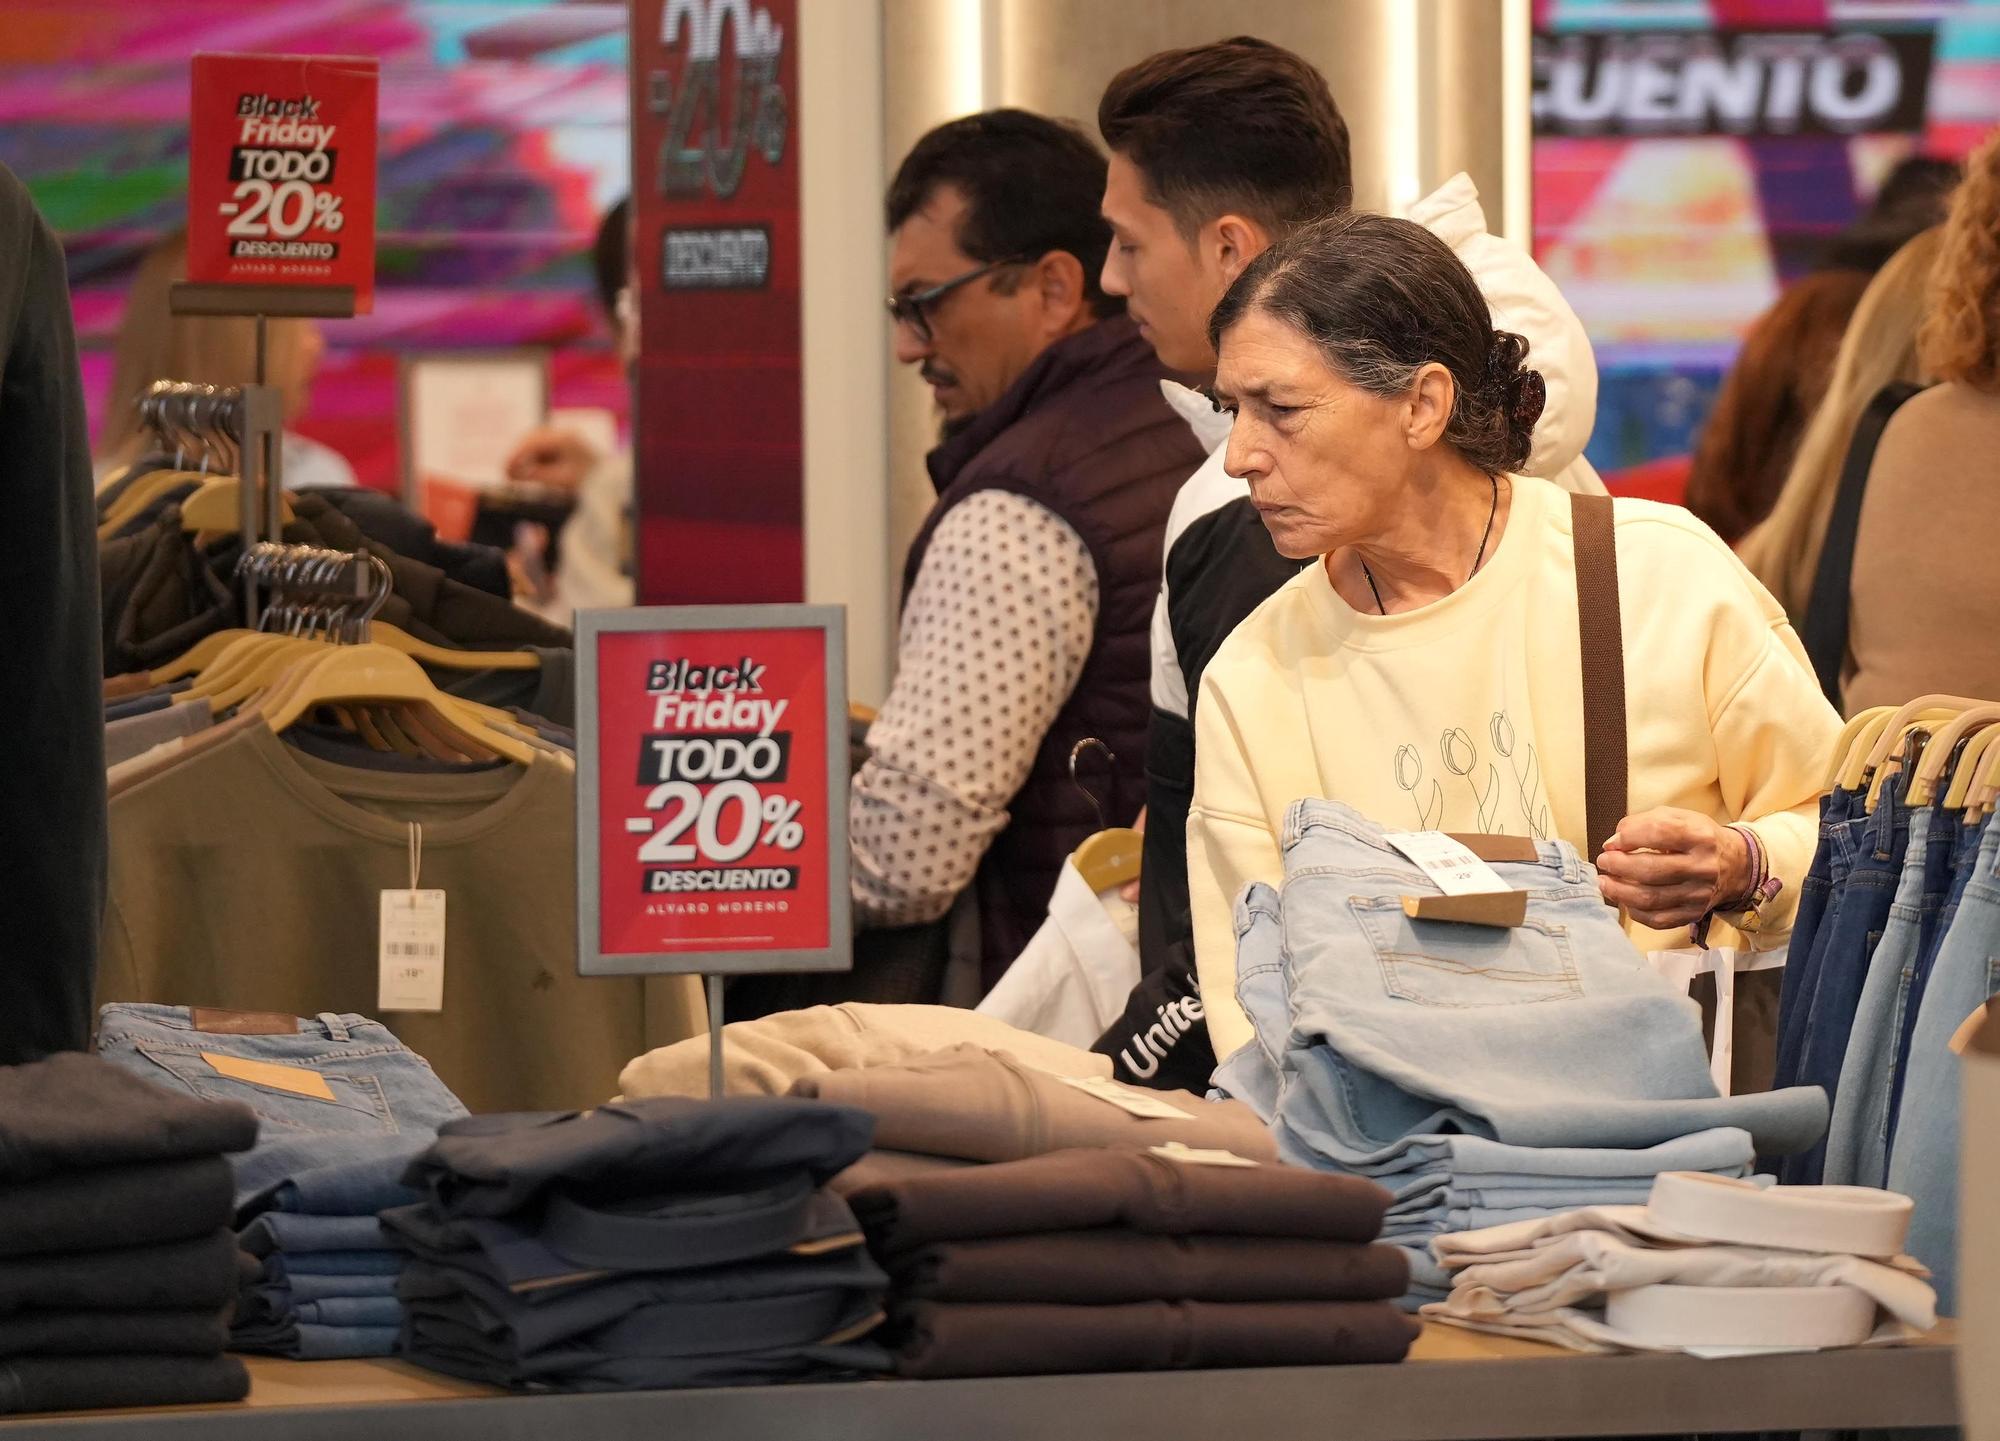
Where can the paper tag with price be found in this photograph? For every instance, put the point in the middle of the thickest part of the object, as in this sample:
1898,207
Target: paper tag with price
410,960
1454,868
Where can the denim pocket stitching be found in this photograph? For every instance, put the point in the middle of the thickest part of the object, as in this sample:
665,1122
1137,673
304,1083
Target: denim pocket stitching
374,1100
1561,984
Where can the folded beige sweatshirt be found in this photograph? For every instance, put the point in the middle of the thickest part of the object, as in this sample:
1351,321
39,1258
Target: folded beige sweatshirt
763,1057
987,1106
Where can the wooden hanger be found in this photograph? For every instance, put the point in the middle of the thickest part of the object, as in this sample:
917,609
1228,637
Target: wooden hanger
235,661
1967,770
1109,858
142,493
1850,737
1875,743
199,656
1912,743
1939,751
1985,788
376,673
218,506
395,638
1890,740
438,736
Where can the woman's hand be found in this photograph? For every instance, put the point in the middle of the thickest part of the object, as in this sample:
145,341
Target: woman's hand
1668,868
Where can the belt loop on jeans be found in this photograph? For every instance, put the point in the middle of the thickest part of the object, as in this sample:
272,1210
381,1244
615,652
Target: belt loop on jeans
336,1029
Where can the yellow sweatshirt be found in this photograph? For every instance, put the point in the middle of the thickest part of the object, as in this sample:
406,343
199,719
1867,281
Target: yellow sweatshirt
1467,714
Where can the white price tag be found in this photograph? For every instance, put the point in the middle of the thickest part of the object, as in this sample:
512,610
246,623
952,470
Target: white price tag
1146,1105
1191,1156
410,954
1456,870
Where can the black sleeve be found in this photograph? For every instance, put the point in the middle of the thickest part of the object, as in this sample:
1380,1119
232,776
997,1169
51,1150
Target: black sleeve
1162,1038
1221,568
52,799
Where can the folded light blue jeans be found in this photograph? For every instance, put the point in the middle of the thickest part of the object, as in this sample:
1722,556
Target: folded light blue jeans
384,1094
1556,1032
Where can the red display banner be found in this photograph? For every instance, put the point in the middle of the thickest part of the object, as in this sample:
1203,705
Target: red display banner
712,747
281,172
719,417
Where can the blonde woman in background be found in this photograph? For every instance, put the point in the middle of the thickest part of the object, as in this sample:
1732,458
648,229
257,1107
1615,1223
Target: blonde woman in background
1926,588
155,344
1880,347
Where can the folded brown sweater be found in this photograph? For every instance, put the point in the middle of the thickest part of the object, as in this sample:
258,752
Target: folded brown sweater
1112,1267
986,1106
1077,1190
941,1339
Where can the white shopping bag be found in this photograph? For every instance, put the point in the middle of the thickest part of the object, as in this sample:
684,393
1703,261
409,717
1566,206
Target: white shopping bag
1726,962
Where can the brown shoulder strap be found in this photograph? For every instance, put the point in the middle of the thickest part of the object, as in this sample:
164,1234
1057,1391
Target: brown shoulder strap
1603,644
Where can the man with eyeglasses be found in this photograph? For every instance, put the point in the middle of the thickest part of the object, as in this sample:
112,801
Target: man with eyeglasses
1028,594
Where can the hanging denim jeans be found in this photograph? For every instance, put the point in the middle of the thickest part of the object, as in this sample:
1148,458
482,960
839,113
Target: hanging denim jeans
1964,864
1924,1164
1857,1142
1856,921
1830,865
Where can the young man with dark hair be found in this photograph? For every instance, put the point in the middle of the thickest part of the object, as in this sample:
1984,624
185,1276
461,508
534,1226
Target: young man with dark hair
1029,592
1216,152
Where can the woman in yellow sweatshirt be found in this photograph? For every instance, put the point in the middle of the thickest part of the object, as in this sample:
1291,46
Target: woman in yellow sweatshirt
1426,670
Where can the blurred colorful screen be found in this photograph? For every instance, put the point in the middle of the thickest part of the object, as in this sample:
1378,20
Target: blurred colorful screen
503,140
1693,156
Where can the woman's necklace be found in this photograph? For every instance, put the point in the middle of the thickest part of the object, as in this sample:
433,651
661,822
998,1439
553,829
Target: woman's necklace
1384,610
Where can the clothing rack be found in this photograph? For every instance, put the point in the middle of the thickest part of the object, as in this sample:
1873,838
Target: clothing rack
315,591
261,434
248,422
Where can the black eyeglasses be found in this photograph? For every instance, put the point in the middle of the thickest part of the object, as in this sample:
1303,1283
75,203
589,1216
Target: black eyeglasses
911,309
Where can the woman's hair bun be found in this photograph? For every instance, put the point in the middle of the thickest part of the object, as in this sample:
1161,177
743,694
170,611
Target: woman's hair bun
1518,393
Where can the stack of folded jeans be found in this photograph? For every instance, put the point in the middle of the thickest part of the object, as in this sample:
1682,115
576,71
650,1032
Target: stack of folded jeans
117,1266
1483,1074
1121,1260
968,1104
656,1243
345,1108
326,1284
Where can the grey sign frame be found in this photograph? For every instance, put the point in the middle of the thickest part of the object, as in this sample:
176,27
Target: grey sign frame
838,953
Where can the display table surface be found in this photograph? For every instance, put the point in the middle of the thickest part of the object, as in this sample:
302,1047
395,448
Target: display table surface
1455,1385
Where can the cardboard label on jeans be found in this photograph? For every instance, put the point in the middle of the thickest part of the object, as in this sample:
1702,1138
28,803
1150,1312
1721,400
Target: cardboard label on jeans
295,1079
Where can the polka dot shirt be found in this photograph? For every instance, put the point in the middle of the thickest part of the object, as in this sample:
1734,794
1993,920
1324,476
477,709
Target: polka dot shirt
995,633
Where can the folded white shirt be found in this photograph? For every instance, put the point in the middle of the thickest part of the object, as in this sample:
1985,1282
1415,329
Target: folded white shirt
1582,1266
1547,1279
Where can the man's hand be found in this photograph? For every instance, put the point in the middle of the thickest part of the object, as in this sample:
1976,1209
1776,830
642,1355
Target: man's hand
551,456
1669,867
